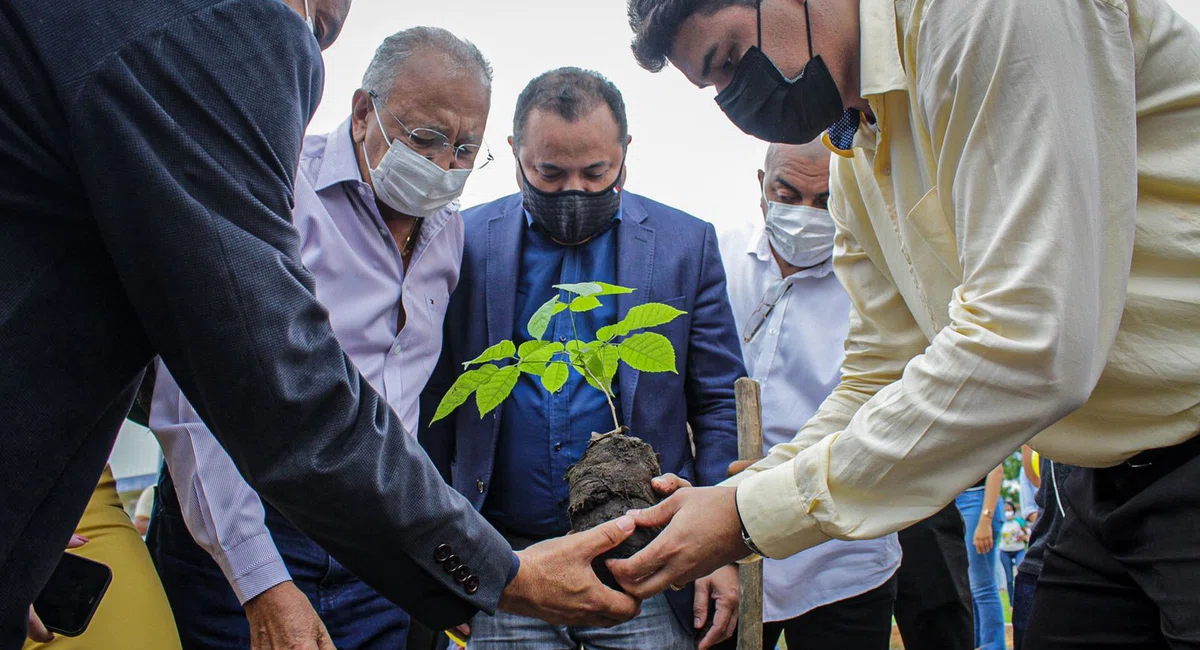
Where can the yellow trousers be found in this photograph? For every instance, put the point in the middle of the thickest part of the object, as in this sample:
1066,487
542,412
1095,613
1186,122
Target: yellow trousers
134,614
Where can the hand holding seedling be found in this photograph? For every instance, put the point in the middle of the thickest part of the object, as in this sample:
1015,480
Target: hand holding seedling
702,534
556,583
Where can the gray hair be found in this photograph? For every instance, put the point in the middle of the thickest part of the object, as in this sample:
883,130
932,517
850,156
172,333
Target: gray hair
461,57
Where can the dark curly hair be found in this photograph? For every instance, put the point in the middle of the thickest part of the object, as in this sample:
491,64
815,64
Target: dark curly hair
656,22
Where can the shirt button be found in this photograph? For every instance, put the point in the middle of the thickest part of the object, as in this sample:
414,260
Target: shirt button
384,232
558,446
774,331
562,339
396,350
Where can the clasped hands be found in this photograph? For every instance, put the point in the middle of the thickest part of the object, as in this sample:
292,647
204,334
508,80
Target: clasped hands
700,542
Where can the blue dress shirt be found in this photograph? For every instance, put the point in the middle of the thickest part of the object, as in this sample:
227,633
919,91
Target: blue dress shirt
543,434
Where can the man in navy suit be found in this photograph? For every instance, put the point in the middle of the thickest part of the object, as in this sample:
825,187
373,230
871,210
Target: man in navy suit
573,221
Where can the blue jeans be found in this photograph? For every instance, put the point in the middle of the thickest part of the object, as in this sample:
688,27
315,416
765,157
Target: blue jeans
656,628
981,568
1009,561
209,616
1024,586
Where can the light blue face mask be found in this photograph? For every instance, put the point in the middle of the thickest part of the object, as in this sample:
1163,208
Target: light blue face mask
308,20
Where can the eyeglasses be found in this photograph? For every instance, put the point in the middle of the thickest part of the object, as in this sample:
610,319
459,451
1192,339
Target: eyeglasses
773,295
429,142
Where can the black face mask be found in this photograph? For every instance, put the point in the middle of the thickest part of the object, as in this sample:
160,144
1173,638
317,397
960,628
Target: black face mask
765,104
574,216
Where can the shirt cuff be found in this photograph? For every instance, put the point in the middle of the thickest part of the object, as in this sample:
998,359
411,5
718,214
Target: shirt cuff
253,566
775,514
512,570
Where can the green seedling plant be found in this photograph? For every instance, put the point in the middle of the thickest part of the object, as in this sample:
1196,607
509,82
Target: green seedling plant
492,375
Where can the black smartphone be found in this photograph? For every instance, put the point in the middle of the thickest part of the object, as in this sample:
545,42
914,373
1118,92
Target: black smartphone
69,600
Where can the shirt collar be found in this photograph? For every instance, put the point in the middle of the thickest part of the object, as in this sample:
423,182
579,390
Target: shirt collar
759,246
881,69
339,163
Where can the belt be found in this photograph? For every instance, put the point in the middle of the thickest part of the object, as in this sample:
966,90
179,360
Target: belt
1173,456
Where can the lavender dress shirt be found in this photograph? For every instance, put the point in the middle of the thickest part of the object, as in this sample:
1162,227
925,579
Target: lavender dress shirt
361,280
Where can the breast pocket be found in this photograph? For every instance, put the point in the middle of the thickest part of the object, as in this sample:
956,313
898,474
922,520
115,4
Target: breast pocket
933,251
931,233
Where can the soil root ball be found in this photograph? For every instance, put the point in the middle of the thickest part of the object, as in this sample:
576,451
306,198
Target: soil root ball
611,478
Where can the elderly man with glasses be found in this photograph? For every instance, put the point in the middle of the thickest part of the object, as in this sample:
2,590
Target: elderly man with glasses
376,208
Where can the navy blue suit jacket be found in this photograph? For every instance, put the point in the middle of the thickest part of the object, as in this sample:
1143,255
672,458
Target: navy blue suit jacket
667,256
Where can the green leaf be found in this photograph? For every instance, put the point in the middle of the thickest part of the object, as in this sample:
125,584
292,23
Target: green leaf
651,314
462,389
496,388
606,333
560,308
584,303
648,352
541,318
576,347
555,376
594,362
610,356
581,288
607,289
539,351
591,382
501,350
536,368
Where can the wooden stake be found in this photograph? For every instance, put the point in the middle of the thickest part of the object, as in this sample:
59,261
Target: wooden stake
749,427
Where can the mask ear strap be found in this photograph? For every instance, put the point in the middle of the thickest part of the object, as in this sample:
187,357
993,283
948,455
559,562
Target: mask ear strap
807,28
758,15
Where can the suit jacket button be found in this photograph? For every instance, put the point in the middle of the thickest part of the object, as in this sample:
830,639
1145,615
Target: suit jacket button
452,564
481,485
461,574
441,553
471,585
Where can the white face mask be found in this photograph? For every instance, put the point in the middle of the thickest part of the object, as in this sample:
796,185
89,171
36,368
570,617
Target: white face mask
801,235
411,184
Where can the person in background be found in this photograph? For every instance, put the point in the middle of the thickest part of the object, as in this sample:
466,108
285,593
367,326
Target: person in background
134,612
1029,480
575,221
377,212
143,509
1052,510
1013,536
792,316
979,505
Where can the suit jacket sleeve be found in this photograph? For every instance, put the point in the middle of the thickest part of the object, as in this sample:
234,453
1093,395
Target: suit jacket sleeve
188,152
714,363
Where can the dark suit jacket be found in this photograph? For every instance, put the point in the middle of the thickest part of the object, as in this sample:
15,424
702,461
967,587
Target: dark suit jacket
667,256
147,152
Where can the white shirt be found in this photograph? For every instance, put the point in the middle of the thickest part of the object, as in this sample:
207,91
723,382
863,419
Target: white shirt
361,280
796,356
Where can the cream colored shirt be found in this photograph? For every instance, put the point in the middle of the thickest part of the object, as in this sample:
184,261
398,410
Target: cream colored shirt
1019,234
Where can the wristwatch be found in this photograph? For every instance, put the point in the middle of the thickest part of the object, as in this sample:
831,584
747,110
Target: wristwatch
755,553
987,512
750,543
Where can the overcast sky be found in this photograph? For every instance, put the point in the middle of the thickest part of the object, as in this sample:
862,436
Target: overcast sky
684,152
